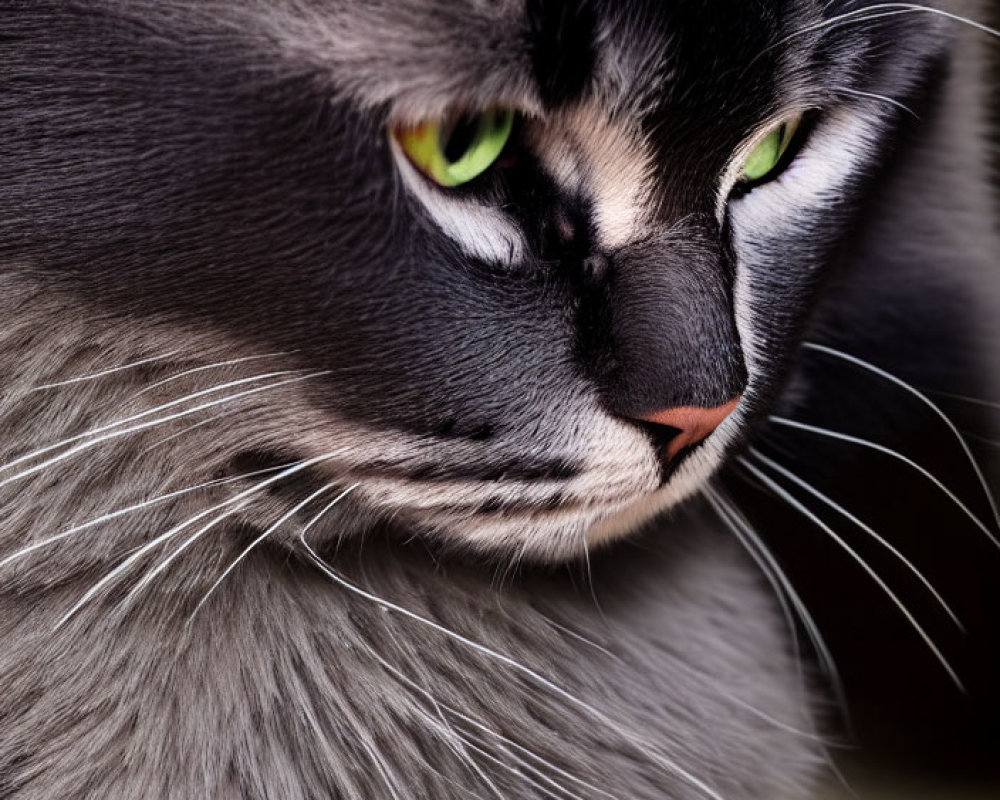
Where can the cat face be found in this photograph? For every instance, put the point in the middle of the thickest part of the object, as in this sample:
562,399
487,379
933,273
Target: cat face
500,363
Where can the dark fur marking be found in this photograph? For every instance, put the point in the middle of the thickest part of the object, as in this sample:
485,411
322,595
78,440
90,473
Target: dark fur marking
486,471
482,432
562,47
491,506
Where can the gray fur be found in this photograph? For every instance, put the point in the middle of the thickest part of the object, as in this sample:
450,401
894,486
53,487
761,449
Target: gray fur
277,687
135,231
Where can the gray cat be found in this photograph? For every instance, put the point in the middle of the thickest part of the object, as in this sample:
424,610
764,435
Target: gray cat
332,329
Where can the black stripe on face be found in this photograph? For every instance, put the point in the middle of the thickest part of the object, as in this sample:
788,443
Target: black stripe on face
562,47
723,83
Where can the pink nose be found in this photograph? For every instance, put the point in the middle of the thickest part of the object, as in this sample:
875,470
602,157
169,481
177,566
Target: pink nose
693,422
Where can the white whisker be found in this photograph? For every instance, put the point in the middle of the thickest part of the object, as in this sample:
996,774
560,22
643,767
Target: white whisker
590,578
857,17
663,761
124,565
794,503
103,373
148,578
386,773
782,586
455,740
982,439
787,473
335,756
791,423
579,637
141,415
917,8
515,771
398,674
248,493
271,529
875,96
115,434
873,13
128,510
459,745
203,368
927,402
184,430
181,526
976,401
532,755
868,14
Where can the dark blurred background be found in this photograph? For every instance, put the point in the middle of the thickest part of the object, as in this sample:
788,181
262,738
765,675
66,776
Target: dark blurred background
908,733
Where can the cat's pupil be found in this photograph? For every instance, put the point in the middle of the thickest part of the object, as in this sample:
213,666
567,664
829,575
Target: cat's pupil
459,137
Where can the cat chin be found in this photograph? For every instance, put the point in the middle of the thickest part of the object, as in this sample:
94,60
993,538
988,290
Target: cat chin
572,531
689,479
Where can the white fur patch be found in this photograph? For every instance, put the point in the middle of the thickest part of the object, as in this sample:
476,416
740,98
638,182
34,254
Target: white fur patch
481,231
606,161
812,183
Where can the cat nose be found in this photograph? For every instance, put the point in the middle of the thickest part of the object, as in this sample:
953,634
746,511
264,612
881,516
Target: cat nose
693,423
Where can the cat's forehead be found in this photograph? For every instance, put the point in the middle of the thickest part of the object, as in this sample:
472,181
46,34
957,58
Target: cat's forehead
636,106
422,58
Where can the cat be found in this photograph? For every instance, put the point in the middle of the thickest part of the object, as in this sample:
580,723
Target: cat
333,330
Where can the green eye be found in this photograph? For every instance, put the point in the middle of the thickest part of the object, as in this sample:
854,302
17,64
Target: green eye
769,151
454,152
